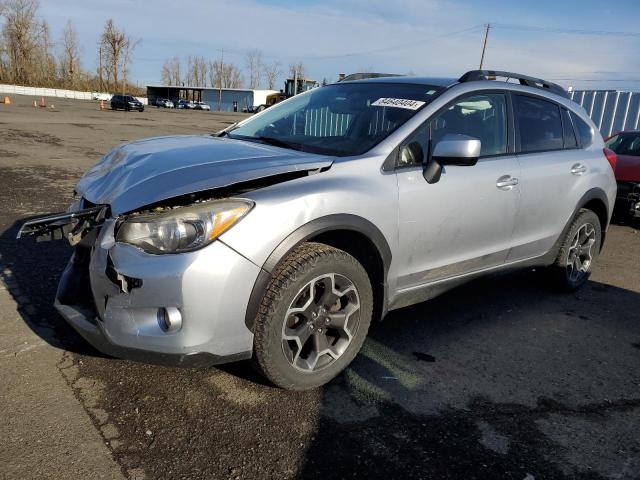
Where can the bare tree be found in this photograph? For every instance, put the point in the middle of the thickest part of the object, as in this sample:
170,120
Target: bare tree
214,74
45,68
255,67
196,71
171,74
115,51
69,63
27,58
21,37
271,73
129,47
296,70
224,75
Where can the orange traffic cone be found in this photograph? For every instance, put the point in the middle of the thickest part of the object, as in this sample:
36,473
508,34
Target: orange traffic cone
42,104
101,104
6,100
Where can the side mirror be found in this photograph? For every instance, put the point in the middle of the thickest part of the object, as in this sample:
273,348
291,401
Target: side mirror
452,149
457,149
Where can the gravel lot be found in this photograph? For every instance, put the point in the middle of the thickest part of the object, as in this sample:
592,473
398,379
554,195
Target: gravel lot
496,379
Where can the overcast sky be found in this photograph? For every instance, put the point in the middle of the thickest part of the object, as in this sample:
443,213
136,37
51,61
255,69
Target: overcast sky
426,37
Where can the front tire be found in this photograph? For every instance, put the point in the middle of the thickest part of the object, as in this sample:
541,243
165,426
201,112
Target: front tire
578,251
313,317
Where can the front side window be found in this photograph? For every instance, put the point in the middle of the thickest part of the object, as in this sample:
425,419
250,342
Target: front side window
482,116
625,144
539,124
342,119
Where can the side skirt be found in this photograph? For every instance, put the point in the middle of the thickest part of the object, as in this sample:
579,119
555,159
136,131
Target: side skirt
420,293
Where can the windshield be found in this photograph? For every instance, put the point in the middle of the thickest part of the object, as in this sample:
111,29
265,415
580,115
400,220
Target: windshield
625,144
341,119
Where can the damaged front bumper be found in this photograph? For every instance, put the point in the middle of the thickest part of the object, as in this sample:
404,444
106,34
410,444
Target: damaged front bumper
628,198
116,296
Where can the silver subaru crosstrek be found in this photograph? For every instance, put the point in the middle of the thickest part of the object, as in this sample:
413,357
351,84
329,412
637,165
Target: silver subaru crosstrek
282,237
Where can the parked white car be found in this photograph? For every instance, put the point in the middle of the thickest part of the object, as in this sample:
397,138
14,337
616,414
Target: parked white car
202,106
101,96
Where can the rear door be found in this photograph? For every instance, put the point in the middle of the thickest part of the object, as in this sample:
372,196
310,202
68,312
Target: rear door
554,173
463,222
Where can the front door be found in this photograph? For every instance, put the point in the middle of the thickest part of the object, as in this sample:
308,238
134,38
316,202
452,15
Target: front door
463,222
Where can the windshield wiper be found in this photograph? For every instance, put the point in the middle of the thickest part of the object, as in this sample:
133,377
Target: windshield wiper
276,142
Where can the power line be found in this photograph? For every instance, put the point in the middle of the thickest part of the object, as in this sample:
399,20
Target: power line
397,46
566,31
633,80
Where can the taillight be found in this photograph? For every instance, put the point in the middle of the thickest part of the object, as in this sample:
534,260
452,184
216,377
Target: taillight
612,157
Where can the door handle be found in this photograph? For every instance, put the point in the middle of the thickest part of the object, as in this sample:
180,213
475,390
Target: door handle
578,169
506,182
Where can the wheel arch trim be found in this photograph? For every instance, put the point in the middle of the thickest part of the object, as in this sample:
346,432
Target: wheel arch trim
590,195
303,233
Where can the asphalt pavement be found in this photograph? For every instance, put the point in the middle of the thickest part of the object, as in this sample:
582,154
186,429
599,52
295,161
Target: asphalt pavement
496,379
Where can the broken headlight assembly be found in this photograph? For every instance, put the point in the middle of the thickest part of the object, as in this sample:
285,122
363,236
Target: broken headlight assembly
182,229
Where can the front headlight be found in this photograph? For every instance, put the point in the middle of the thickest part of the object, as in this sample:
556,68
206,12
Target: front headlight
182,229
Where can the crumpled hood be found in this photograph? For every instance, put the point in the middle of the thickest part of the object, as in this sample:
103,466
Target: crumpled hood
146,171
628,168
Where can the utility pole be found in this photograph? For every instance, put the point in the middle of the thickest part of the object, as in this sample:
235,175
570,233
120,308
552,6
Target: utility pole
220,75
100,68
484,46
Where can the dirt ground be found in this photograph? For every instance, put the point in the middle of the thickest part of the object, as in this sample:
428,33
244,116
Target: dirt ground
496,379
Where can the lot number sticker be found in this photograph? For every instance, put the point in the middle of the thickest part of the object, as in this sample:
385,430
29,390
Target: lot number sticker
398,103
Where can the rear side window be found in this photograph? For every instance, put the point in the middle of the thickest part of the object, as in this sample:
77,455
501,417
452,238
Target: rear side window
585,132
539,124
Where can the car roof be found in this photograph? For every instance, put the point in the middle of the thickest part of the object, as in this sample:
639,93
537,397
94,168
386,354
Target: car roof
428,81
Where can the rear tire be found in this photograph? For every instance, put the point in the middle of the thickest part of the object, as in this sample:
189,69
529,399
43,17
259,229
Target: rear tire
579,249
313,317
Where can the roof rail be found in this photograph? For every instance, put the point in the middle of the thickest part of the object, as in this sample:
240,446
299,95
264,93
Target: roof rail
473,75
365,75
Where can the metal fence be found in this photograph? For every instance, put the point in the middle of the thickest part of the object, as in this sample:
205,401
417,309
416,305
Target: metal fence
56,92
611,110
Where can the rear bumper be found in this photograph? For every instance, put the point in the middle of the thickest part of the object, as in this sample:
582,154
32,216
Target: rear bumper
113,295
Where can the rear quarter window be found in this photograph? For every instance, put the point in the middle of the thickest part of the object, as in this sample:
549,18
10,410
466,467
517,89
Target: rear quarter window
585,132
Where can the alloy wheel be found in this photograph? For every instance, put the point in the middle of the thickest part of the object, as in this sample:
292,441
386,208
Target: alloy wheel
320,322
580,252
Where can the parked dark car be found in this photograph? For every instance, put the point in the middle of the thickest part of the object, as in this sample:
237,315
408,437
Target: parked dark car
126,102
254,108
626,146
186,104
